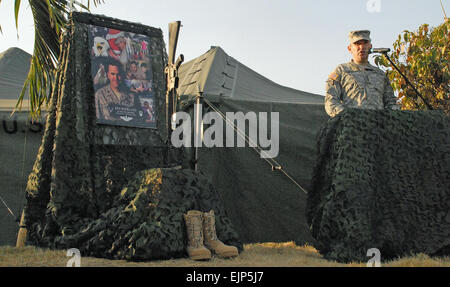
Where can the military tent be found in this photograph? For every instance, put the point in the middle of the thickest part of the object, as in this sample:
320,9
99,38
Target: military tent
19,142
264,197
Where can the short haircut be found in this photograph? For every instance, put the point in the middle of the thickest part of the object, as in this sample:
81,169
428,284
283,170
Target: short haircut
113,62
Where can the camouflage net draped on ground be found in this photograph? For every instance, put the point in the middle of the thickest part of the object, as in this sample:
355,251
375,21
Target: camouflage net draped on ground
146,219
382,180
102,188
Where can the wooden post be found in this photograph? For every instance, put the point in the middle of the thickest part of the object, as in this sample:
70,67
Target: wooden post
22,235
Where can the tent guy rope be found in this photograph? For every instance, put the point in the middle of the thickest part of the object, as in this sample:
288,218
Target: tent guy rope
7,207
274,164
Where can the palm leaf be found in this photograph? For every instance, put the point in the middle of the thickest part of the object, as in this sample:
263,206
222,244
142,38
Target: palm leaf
16,12
50,21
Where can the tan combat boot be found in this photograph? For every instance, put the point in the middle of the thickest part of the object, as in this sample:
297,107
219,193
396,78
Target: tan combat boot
195,248
211,240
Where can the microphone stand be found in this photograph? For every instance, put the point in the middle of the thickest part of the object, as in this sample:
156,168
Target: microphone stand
407,81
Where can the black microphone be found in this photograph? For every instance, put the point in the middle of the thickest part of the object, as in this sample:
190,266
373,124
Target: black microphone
379,50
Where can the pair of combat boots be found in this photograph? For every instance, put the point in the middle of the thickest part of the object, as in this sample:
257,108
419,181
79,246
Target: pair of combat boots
201,232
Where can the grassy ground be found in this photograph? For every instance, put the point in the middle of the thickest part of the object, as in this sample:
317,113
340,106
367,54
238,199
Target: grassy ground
254,255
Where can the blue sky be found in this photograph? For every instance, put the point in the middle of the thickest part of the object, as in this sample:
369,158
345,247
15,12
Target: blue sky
295,43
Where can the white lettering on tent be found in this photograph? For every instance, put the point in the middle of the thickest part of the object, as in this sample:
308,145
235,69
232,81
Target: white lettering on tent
237,133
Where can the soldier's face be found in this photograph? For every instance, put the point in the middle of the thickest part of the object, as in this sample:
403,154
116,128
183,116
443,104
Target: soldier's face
360,51
113,76
121,43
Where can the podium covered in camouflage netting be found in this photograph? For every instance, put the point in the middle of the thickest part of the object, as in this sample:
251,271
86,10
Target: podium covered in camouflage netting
382,180
112,191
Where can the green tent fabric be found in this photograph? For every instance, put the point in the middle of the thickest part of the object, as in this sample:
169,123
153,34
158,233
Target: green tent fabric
382,180
14,66
263,204
219,76
19,141
111,191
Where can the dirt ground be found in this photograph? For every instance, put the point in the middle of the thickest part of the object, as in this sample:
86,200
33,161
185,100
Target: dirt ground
254,255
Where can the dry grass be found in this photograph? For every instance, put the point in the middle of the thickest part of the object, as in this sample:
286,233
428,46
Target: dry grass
254,255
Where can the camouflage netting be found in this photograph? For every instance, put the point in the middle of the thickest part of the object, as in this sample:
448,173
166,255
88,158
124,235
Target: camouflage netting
99,188
146,218
382,180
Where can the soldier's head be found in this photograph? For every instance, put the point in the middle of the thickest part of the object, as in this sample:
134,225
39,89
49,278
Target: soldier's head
114,73
133,66
360,45
121,42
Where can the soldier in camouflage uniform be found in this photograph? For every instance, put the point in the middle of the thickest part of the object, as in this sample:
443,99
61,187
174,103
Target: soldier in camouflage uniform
357,84
112,93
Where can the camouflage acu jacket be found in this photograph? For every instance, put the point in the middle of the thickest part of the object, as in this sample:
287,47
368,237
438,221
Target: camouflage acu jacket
106,96
356,86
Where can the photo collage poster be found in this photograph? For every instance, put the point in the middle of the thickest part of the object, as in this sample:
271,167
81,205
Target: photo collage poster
122,78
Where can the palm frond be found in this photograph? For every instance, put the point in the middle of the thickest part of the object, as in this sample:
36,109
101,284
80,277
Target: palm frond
16,12
50,22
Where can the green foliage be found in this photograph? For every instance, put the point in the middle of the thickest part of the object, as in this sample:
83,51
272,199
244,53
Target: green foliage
50,22
423,57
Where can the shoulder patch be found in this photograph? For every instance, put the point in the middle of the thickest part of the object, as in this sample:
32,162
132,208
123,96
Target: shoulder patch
333,76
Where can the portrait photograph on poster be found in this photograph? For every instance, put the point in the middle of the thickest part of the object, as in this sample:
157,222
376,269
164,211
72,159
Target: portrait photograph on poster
122,78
